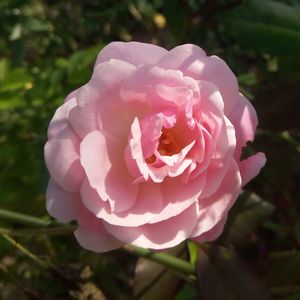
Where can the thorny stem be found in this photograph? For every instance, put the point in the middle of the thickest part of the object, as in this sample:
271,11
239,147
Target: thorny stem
167,260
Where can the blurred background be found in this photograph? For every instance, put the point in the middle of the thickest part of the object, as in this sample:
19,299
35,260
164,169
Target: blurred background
47,49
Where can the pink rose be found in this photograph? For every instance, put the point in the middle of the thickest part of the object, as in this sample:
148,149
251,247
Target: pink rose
148,151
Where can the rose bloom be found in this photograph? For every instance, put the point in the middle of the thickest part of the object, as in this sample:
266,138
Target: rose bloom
148,151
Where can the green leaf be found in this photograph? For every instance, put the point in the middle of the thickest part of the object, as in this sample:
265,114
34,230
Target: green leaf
15,79
222,275
247,79
10,102
4,67
246,215
188,291
80,65
35,24
265,26
193,252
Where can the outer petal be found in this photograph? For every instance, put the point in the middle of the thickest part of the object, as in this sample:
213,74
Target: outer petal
211,109
99,102
149,204
63,163
59,126
110,74
95,161
67,207
92,235
71,95
84,117
100,157
223,153
213,69
214,208
178,196
213,233
215,174
244,119
181,57
160,235
60,204
133,52
251,166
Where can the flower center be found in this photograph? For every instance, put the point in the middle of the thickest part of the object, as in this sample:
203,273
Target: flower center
167,143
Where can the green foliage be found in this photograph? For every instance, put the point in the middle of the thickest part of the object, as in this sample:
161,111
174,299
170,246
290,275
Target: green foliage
267,26
47,49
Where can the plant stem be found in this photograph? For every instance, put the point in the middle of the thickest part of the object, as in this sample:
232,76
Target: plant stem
25,251
22,218
170,261
34,231
285,290
283,254
163,258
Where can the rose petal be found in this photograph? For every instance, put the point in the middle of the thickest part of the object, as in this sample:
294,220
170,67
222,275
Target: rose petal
150,132
251,166
59,123
160,235
135,159
170,93
221,158
62,160
178,196
215,207
60,204
71,95
181,57
244,119
226,142
134,156
213,233
83,116
154,85
109,74
95,161
93,236
148,205
214,70
133,52
100,157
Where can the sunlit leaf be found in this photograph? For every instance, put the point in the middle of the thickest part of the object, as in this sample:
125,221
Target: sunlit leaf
193,251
